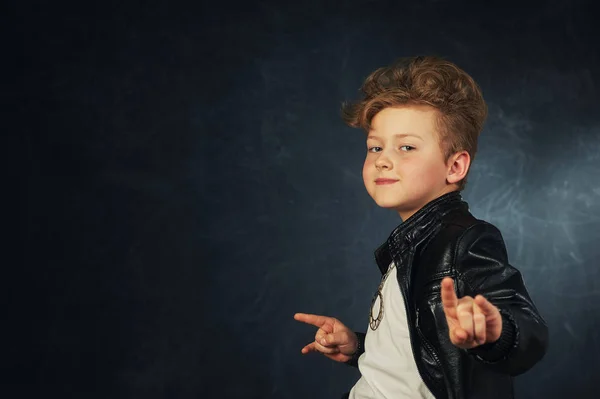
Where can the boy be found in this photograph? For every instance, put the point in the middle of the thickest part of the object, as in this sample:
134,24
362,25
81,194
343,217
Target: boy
451,318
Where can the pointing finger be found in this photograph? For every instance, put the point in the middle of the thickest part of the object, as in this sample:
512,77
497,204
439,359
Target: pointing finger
486,306
449,299
313,319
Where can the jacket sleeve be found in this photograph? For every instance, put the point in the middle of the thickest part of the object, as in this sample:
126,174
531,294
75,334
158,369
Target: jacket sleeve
359,350
482,268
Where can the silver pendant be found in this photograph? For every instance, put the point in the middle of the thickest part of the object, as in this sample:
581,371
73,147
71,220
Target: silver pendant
374,321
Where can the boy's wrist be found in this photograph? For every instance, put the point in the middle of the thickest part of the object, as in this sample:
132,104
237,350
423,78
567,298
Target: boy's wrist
360,349
499,350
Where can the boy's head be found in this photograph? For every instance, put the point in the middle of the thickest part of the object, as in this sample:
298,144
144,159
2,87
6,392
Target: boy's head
422,116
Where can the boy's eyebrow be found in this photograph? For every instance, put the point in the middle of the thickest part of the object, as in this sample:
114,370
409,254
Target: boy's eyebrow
398,135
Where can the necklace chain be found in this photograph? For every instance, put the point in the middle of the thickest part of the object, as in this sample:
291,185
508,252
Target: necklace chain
375,321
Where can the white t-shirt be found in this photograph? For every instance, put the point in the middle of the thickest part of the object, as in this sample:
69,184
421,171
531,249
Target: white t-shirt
388,366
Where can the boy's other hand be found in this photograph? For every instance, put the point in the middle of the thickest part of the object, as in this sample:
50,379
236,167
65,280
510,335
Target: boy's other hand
333,339
471,321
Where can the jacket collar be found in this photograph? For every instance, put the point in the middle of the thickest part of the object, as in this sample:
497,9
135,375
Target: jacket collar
418,226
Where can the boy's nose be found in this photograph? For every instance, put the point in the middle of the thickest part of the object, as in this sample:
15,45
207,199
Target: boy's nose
382,162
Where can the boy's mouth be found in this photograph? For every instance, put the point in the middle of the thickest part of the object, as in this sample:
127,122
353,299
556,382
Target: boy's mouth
385,181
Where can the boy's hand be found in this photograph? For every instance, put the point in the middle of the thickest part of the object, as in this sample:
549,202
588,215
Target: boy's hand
333,339
471,322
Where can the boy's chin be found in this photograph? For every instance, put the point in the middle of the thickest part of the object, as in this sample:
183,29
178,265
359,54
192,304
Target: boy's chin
391,205
396,206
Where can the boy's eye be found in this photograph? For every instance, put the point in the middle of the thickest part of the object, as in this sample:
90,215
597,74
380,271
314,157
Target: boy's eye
374,149
407,148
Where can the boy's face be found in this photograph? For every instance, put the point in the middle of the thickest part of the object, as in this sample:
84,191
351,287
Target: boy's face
403,146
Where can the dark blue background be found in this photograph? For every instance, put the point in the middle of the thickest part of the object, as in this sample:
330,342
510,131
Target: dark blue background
190,186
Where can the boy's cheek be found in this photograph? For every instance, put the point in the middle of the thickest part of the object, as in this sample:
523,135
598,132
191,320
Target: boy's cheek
367,171
368,179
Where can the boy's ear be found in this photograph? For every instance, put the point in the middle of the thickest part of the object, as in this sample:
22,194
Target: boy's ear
458,166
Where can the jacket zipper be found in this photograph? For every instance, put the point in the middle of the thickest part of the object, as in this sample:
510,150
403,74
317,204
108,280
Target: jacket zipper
425,343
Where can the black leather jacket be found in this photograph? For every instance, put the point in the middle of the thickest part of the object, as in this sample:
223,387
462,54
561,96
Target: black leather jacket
444,239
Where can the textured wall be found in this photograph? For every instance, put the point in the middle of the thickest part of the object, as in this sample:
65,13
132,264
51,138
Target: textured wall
191,185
